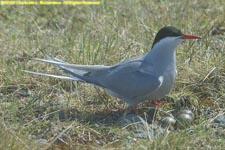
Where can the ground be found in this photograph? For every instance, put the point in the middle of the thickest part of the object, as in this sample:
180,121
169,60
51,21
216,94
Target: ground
39,112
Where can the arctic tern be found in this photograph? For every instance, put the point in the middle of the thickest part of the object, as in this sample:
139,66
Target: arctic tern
146,77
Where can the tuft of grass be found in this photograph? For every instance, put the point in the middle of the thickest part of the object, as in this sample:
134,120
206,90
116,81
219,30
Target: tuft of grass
50,113
14,140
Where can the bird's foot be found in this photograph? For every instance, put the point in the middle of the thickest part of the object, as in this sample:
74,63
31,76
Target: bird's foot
157,103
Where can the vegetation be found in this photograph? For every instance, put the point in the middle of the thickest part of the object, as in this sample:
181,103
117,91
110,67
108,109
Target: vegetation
39,112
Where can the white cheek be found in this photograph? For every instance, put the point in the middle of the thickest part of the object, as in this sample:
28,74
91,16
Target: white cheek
169,42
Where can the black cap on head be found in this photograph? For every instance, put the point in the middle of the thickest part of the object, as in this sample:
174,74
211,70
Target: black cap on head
168,31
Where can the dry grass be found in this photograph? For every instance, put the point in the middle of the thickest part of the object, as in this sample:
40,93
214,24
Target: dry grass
56,113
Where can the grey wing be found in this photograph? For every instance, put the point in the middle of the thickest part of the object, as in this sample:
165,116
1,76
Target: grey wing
129,81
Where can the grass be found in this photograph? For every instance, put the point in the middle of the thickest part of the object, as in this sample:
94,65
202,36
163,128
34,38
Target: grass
44,113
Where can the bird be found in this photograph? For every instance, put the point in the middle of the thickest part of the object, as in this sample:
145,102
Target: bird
147,77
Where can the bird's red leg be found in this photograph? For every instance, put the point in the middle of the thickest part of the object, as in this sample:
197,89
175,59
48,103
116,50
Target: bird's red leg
156,103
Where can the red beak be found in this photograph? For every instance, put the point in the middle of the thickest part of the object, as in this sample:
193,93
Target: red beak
189,36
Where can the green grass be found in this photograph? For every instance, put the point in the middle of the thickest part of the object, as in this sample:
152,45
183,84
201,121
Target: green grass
35,108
